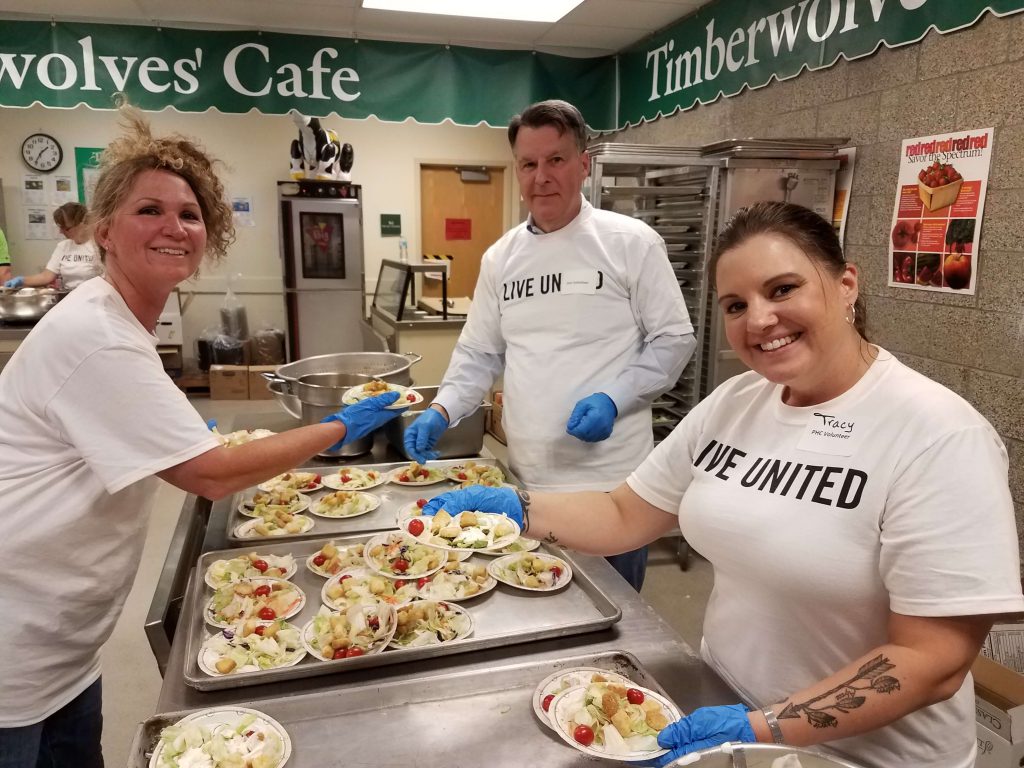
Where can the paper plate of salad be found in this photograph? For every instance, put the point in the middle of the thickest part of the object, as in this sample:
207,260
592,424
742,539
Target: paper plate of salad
612,721
406,395
251,646
522,544
221,573
356,631
294,480
416,474
268,503
263,599
471,473
458,581
430,622
225,737
399,556
331,559
563,680
344,504
354,479
361,586
242,436
472,531
278,524
531,571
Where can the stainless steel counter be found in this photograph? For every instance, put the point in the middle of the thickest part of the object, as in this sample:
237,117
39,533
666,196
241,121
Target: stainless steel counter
14,332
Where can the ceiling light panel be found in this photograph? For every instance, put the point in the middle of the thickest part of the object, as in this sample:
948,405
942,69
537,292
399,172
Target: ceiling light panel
511,10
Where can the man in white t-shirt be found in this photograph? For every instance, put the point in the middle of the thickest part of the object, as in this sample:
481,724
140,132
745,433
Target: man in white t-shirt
580,309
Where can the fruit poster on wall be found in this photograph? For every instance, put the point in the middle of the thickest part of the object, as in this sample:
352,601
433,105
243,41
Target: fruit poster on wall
936,222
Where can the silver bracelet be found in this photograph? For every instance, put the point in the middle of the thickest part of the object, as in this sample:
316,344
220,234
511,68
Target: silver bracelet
773,725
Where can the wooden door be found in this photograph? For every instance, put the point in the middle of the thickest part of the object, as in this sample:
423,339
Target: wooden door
449,206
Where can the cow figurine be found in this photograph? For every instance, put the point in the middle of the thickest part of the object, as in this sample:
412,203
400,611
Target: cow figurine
317,153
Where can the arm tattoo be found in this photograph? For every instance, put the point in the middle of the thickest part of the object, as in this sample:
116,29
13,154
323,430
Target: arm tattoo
845,696
524,502
551,538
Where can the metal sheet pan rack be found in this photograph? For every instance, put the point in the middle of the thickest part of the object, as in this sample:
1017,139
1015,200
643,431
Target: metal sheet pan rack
675,190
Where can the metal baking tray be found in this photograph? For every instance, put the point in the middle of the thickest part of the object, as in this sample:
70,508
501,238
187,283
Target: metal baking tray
392,496
453,718
503,616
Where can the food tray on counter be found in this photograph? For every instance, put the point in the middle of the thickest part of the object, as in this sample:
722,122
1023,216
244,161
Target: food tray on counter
501,617
392,495
452,718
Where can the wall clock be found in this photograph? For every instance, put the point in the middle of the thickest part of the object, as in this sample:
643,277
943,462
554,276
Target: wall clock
41,152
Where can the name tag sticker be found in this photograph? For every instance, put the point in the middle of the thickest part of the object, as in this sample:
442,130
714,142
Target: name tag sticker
579,281
830,434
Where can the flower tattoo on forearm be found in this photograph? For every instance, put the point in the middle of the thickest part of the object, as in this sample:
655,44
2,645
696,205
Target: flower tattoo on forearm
871,677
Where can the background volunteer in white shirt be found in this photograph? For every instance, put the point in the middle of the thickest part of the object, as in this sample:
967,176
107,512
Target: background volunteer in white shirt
857,514
75,259
90,421
581,310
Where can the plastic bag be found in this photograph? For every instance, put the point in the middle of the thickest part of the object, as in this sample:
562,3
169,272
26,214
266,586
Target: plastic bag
204,347
267,346
233,319
227,350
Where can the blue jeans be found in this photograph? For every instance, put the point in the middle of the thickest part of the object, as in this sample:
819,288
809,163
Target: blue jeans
632,566
69,738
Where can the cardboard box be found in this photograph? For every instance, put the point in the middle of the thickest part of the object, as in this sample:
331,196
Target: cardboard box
494,418
996,752
999,700
229,382
257,384
1005,645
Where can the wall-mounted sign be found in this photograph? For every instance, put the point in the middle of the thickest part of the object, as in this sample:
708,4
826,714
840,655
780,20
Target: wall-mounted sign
936,220
87,163
458,229
65,64
390,224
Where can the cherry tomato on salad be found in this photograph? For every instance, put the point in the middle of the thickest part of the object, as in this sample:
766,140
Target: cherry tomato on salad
346,478
399,583
339,654
410,397
421,503
461,476
267,613
260,630
260,565
401,565
421,582
546,704
422,473
633,696
319,560
556,571
353,651
415,526
404,477
346,576
262,590
584,734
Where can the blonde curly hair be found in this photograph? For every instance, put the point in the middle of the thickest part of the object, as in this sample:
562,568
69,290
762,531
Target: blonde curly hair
139,150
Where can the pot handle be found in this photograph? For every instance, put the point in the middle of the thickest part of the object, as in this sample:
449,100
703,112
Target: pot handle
413,357
273,377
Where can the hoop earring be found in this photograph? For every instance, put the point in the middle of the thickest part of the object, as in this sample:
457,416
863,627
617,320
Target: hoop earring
851,317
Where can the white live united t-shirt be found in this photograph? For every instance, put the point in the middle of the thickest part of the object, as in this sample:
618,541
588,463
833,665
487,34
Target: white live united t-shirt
820,520
75,262
87,416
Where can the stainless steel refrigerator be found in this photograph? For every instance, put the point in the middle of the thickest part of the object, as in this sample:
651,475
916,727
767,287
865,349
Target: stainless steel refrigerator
321,241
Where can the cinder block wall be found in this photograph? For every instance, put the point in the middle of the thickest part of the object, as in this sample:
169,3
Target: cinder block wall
973,78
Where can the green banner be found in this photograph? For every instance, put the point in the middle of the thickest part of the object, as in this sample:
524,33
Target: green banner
730,44
65,64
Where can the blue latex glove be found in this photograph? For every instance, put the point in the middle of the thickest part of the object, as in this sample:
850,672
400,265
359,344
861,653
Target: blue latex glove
15,282
478,498
364,417
704,728
592,419
423,434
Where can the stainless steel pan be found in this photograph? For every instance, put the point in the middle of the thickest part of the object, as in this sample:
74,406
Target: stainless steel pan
25,306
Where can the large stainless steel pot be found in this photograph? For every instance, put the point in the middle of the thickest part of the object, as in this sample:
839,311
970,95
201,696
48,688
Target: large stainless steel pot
759,756
388,366
464,439
288,401
27,305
